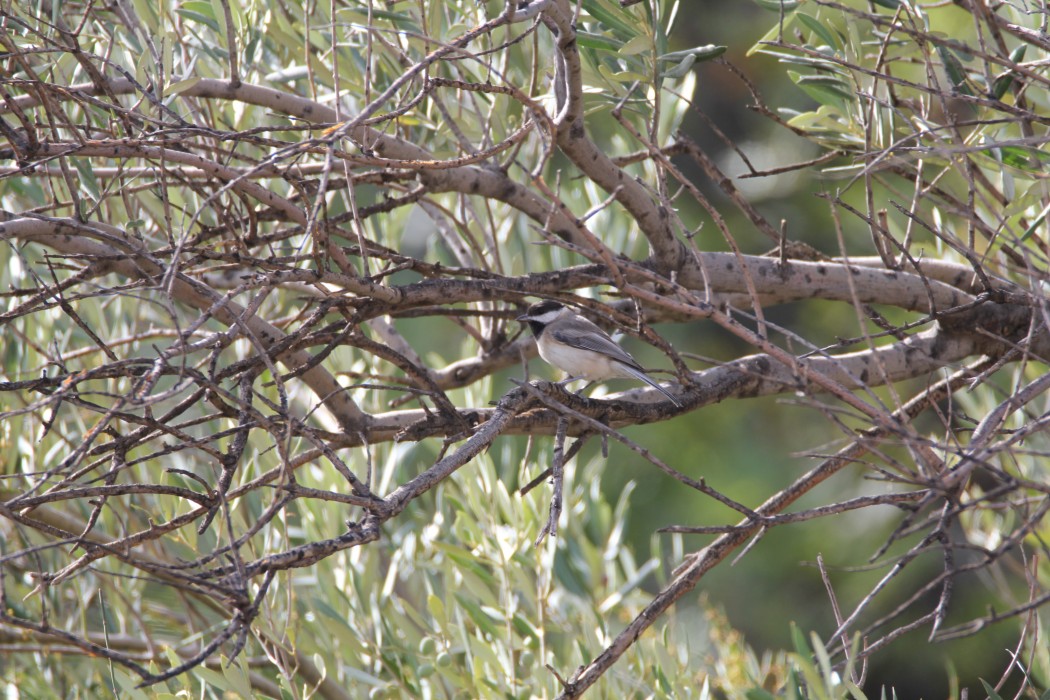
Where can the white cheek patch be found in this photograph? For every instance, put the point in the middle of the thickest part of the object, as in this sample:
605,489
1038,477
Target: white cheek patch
546,317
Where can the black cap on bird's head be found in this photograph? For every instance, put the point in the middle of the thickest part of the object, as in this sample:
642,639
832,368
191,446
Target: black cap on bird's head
547,308
540,314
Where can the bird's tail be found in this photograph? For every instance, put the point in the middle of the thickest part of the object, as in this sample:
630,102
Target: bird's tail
639,374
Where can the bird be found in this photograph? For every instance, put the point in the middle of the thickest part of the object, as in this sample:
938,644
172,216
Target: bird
575,345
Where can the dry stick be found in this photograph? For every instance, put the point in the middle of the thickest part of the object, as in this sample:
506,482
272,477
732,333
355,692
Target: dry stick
943,533
231,42
367,530
240,622
127,256
723,183
1009,544
508,16
890,575
697,309
974,626
800,368
801,516
908,525
975,100
690,574
418,373
605,431
598,252
978,449
580,441
154,531
838,618
923,454
45,628
509,406
558,472
590,158
1030,623
869,117
78,642
921,35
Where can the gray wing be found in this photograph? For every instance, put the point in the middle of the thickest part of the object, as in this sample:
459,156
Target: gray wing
595,340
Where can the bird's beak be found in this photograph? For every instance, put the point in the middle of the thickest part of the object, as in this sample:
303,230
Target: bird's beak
522,318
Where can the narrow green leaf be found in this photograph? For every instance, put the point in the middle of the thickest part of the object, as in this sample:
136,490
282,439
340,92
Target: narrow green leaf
824,88
401,20
236,674
1022,158
88,181
199,18
798,641
700,53
200,7
147,13
181,86
220,19
992,694
436,607
821,652
1017,55
525,628
823,33
128,685
794,685
777,5
759,694
1024,237
612,18
623,76
681,69
215,679
1004,81
954,68
597,41
818,63
662,680
855,692
773,34
637,45
480,618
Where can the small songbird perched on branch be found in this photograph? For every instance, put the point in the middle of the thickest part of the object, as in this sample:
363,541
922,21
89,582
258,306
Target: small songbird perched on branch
575,345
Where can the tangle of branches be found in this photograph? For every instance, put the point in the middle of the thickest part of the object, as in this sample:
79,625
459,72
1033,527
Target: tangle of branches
243,245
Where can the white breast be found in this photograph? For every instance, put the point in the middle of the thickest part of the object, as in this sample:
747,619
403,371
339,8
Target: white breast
580,363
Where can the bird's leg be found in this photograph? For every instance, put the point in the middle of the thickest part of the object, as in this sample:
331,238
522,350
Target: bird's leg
579,393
